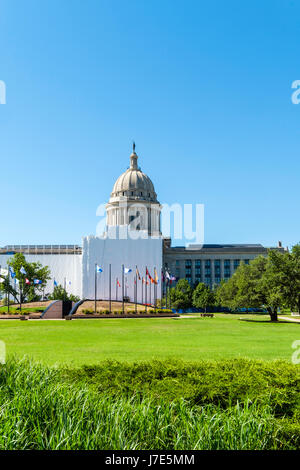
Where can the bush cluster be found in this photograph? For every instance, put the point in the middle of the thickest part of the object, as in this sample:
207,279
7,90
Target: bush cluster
235,404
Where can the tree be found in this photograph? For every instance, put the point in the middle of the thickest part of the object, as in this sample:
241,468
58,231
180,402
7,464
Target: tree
285,268
33,271
203,296
253,285
181,295
59,293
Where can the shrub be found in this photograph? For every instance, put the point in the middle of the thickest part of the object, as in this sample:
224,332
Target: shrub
40,410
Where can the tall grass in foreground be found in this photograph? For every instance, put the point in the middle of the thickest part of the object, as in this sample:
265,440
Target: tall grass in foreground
40,411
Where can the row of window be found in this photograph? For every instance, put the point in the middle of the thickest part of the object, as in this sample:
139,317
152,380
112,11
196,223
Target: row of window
208,263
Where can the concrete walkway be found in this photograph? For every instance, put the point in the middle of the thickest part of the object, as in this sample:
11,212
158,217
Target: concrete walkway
293,320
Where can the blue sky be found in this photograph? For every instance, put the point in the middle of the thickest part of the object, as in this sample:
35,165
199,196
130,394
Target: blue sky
204,88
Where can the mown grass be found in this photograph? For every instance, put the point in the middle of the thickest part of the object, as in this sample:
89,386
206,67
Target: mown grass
79,342
145,406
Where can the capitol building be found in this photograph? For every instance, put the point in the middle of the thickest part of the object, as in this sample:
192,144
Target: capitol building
133,239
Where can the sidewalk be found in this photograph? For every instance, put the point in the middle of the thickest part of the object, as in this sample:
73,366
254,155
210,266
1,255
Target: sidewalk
293,320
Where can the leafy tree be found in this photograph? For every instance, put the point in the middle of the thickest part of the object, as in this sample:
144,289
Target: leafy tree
33,271
253,285
181,295
203,296
285,269
59,293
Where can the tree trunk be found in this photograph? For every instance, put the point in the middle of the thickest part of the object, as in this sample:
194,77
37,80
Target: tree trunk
273,314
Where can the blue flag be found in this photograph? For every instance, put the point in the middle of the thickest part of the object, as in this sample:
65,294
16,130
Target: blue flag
55,283
22,270
127,270
98,269
12,273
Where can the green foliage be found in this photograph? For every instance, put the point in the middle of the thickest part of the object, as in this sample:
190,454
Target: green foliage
271,282
33,271
59,293
223,383
16,310
83,417
181,294
252,285
203,297
285,269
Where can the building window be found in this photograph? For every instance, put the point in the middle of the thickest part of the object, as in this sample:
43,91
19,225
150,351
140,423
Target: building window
198,262
236,263
177,262
188,262
198,271
246,261
207,263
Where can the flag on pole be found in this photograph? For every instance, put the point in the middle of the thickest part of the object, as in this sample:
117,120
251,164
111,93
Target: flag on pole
37,281
54,283
98,269
27,281
1,280
155,276
127,270
12,273
138,274
22,271
3,272
118,284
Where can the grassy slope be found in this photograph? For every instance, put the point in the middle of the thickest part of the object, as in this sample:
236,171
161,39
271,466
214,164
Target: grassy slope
91,341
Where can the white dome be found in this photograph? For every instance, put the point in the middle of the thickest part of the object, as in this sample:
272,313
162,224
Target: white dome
133,183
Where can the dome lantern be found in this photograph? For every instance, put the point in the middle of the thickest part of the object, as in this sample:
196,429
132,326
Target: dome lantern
134,189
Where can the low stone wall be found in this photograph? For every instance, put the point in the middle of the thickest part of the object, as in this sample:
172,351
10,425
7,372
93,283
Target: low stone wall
126,315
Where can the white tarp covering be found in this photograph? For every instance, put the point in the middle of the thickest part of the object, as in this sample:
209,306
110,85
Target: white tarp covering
117,252
61,267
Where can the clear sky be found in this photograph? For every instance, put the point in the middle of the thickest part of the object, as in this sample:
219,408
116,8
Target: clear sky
203,87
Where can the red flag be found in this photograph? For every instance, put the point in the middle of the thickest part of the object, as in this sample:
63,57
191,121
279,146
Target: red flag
27,281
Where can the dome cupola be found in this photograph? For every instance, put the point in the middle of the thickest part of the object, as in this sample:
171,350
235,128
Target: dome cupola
135,190
133,183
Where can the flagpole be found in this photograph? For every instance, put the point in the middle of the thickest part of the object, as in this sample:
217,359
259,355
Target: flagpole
155,291
95,287
21,294
146,291
135,289
110,288
142,291
123,288
8,278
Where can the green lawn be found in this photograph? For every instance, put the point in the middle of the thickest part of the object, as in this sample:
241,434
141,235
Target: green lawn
91,341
